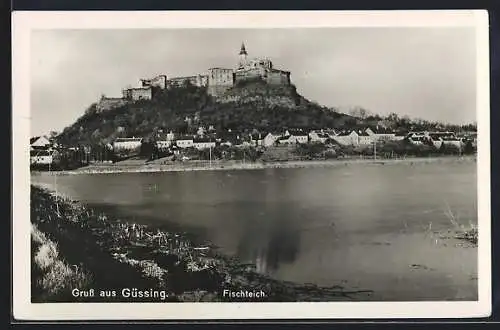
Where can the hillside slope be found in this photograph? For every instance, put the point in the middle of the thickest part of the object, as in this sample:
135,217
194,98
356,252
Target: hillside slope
254,105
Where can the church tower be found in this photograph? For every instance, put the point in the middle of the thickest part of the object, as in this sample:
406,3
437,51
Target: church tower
243,56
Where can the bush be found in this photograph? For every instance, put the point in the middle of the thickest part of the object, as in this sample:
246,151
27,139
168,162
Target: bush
314,150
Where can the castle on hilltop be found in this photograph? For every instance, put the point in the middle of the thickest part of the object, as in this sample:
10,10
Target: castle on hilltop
216,80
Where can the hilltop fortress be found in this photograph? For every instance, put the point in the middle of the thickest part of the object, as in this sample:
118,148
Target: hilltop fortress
217,81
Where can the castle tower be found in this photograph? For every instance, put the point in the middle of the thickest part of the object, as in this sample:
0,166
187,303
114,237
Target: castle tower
243,56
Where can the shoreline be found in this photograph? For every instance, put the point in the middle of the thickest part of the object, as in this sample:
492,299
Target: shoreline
237,165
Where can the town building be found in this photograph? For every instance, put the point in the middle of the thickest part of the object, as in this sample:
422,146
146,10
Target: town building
418,139
164,141
163,144
448,138
185,142
203,143
347,138
318,137
40,143
43,157
127,144
229,138
380,133
288,139
269,139
364,138
293,139
399,136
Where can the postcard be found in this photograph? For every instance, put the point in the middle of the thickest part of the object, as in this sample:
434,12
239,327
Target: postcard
251,165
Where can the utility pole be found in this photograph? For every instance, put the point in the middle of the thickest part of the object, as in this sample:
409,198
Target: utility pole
210,153
375,149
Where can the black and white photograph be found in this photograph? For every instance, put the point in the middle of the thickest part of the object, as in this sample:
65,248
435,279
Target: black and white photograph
243,162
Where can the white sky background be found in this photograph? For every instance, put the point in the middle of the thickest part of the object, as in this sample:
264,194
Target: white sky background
427,73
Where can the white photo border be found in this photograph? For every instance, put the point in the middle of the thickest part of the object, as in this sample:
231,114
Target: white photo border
24,22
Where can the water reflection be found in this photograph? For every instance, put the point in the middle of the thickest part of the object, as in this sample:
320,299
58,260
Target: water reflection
270,242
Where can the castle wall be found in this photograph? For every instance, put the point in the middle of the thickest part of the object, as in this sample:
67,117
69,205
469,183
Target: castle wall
249,74
198,80
202,81
219,81
271,76
108,103
277,77
140,93
258,63
220,77
158,81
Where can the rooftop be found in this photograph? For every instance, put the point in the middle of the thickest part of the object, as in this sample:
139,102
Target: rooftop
138,139
203,140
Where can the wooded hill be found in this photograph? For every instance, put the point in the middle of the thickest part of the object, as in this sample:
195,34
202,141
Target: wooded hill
183,109
244,108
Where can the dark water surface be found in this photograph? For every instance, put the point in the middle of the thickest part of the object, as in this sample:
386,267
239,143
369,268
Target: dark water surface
363,226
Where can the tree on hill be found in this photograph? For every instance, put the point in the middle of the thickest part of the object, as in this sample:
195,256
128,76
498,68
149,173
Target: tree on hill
169,109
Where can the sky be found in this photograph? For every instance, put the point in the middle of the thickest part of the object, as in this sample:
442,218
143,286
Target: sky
421,72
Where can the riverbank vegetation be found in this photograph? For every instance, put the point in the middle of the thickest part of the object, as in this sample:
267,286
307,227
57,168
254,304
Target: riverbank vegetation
467,233
90,249
52,277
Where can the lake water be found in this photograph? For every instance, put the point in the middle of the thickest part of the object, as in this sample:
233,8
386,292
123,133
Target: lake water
361,226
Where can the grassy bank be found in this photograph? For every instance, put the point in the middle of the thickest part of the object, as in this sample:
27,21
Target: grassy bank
53,278
95,251
150,167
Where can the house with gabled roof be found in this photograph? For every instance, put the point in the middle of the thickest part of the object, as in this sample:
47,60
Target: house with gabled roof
229,138
380,133
40,142
165,141
347,137
265,139
286,139
299,135
365,138
448,138
296,137
318,136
